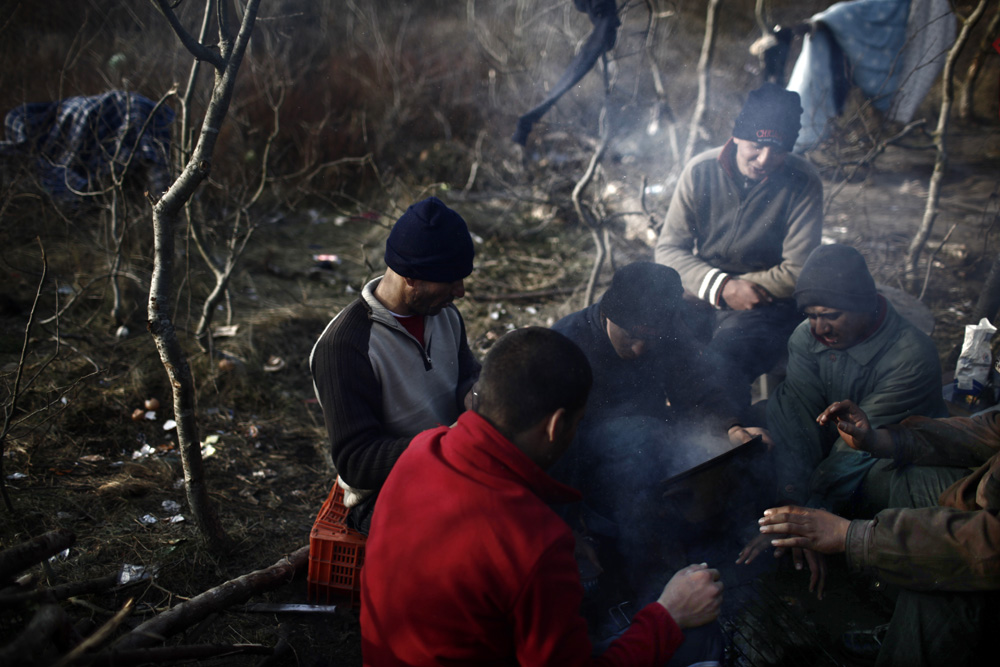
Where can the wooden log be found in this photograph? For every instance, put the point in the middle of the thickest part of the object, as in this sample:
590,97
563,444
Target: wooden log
26,554
47,627
61,592
235,591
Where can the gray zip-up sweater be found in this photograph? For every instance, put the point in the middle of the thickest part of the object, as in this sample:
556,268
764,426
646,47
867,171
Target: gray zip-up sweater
714,231
378,387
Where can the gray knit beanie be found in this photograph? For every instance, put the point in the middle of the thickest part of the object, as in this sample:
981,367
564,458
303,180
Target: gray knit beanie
430,242
836,276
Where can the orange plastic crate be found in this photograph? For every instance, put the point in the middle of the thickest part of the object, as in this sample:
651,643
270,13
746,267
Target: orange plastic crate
336,554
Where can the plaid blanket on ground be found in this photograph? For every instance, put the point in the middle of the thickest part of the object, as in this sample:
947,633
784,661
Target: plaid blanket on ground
77,142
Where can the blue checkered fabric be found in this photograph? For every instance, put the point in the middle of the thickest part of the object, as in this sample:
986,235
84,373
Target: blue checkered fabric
77,142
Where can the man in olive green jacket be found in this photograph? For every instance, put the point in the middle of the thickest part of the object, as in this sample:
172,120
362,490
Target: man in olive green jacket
852,346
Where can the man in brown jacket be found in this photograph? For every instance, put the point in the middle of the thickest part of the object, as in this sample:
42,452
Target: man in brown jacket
945,556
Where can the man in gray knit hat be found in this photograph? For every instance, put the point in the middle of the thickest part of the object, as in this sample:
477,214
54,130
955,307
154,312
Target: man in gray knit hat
854,346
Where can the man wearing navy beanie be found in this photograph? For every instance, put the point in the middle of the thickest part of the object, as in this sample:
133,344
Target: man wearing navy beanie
396,361
741,223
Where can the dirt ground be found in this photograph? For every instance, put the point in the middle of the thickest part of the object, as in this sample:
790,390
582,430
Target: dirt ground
83,463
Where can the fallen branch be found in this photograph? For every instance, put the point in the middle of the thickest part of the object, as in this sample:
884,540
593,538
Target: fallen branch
56,593
26,554
102,635
235,591
32,643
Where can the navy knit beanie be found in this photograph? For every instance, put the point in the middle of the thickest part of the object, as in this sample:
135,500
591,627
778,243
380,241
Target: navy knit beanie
771,115
836,276
643,298
430,242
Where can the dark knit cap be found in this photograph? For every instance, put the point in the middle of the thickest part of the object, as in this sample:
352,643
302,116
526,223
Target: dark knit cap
836,276
644,298
771,115
430,242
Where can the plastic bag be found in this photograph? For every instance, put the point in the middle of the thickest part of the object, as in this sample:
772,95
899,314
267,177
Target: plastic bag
974,364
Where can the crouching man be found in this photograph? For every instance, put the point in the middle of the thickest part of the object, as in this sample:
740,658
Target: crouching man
468,564
942,550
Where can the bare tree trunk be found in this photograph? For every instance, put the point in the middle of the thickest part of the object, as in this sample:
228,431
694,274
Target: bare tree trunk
966,99
166,212
697,130
941,161
235,591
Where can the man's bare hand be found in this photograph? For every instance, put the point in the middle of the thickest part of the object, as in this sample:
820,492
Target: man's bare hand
756,547
806,527
739,435
853,426
693,596
744,295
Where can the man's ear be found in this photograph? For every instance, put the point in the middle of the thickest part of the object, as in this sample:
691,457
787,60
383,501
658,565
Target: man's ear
555,424
410,282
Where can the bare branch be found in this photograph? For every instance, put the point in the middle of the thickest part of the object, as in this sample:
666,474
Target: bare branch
196,48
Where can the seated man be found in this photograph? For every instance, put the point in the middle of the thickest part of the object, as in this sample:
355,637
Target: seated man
396,361
741,223
853,346
657,404
945,557
468,564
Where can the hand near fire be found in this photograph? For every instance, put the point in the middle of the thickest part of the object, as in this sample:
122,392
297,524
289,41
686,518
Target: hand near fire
739,435
742,294
816,561
693,596
854,428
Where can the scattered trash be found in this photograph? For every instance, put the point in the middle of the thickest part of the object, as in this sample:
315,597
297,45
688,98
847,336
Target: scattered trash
169,425
122,332
138,415
152,404
171,506
66,289
179,484
266,473
253,431
16,475
64,400
210,440
274,364
147,519
64,554
531,310
207,451
150,415
326,261
143,452
177,518
225,331
654,189
91,458
226,365
129,574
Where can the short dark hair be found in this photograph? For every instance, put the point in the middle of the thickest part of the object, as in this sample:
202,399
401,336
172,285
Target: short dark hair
527,375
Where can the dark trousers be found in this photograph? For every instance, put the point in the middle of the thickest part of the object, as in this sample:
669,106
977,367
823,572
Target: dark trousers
751,342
